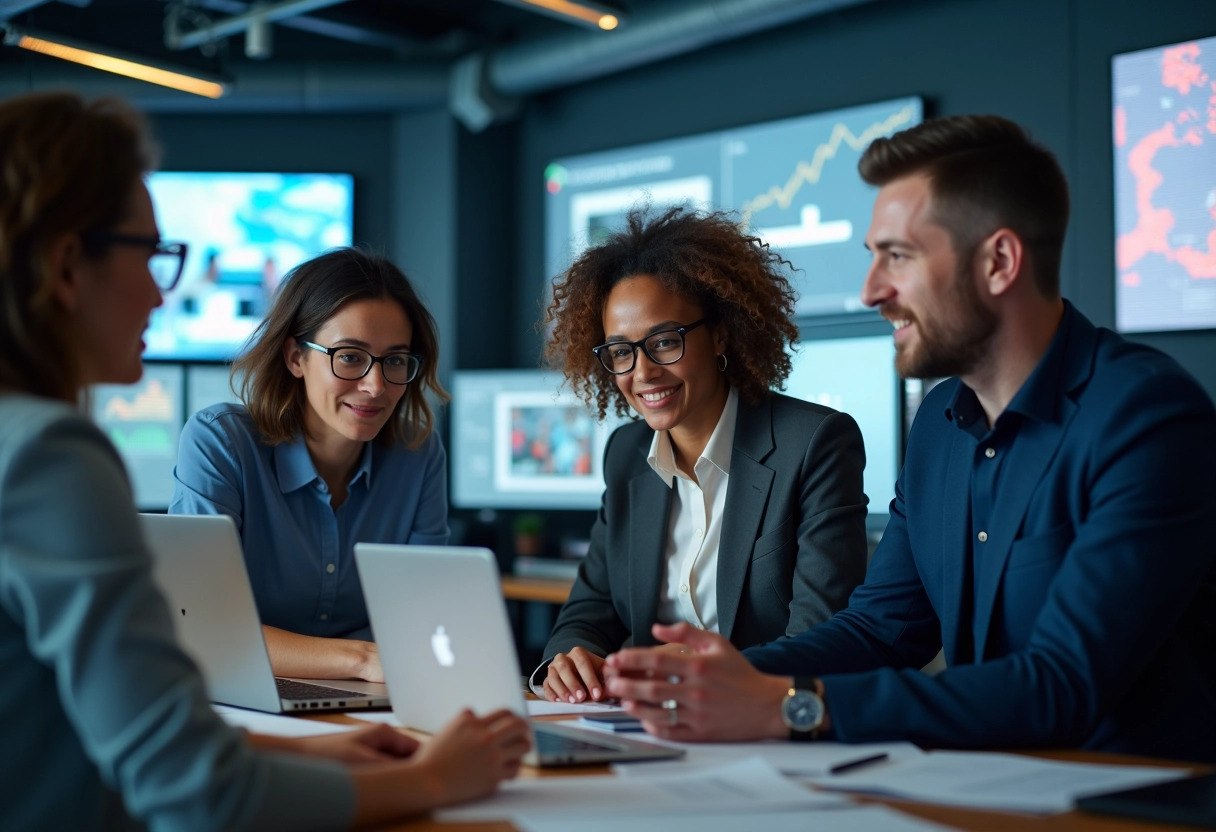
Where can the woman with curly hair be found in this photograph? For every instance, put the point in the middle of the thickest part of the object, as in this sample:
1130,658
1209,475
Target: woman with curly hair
728,506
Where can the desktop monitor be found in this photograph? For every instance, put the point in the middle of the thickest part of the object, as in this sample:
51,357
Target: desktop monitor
520,442
244,232
856,375
144,421
793,183
208,384
1165,204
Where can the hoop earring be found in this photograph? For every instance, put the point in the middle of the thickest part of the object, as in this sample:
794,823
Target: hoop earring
722,363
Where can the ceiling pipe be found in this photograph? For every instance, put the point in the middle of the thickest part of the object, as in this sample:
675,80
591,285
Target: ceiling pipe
485,90
176,39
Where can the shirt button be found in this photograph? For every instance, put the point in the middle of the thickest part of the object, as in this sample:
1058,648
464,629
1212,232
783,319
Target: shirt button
330,568
989,452
324,616
983,536
700,532
683,587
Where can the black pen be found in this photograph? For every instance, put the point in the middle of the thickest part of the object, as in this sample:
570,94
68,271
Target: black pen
852,764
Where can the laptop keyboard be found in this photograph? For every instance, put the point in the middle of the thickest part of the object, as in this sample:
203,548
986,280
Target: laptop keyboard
547,743
291,689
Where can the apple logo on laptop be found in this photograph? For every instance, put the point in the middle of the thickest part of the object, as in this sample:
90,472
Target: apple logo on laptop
441,644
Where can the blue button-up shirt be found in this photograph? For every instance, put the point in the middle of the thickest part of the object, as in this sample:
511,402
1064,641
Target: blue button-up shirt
1036,400
298,549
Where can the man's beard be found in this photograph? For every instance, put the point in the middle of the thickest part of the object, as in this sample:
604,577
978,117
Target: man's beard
955,343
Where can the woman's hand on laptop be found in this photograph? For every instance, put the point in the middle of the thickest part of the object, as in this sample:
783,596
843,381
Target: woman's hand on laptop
472,755
575,677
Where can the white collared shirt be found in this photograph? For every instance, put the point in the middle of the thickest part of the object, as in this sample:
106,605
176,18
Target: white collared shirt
694,532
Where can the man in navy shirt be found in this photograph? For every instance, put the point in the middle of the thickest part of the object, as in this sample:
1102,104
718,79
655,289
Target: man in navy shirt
1051,528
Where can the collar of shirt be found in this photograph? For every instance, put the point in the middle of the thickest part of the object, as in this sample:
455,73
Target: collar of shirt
662,457
294,467
1038,397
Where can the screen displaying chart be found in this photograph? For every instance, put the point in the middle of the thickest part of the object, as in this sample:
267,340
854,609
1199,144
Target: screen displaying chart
1165,187
793,183
144,422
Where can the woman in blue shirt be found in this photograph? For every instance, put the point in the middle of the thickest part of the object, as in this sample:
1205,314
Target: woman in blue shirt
105,719
334,445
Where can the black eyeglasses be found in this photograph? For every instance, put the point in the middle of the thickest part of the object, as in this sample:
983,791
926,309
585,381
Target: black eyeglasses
663,347
353,363
165,261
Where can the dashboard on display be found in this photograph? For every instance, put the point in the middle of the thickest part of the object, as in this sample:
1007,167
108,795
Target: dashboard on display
245,231
793,183
1165,187
520,442
144,421
856,375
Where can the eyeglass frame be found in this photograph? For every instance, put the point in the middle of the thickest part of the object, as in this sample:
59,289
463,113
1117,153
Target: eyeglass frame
682,331
375,359
99,237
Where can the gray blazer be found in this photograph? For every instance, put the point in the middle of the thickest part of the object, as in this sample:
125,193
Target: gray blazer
793,537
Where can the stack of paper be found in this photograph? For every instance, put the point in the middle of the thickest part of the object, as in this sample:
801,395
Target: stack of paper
1000,782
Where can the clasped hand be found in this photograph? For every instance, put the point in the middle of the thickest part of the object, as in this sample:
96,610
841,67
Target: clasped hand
715,692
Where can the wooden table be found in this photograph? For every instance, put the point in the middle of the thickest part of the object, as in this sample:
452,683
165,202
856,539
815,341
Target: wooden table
966,819
548,590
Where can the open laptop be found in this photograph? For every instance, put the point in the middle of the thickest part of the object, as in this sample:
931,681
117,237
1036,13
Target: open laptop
198,564
446,645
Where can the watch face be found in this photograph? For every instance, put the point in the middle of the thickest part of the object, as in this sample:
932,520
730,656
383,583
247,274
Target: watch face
802,711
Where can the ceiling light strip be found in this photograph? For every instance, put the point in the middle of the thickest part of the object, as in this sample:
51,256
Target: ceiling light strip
119,66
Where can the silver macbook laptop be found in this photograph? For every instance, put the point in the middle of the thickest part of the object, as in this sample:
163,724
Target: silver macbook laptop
198,564
446,645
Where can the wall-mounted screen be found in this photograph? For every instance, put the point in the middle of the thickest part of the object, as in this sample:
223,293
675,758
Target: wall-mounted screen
1165,187
519,442
857,376
144,421
245,231
208,384
793,182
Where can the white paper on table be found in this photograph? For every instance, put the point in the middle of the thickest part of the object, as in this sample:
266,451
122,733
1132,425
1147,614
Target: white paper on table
1001,782
747,786
277,725
543,707
387,717
795,759
844,819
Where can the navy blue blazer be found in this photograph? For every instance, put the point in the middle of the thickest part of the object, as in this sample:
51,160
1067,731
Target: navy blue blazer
793,541
1091,619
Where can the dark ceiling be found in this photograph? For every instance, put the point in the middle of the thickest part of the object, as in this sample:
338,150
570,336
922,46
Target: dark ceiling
350,30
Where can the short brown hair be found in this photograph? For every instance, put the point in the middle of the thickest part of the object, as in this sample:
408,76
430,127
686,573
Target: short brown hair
985,173
311,294
737,280
66,166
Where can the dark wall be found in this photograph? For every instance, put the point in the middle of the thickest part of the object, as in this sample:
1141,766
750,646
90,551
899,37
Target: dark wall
1043,63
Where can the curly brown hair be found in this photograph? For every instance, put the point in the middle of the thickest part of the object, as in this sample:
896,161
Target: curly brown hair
738,281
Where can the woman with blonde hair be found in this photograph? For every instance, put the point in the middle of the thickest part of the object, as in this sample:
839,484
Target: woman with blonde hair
99,702
334,445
